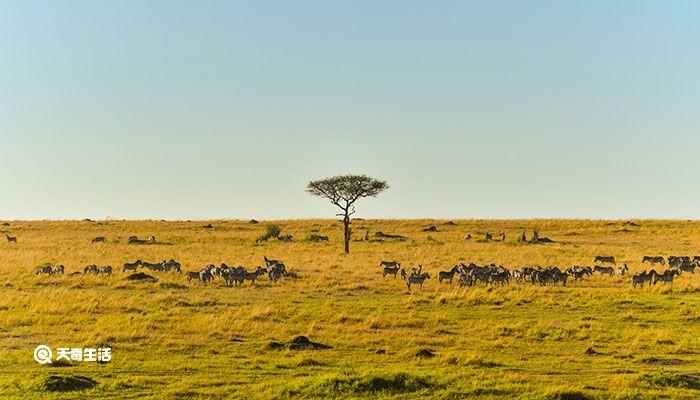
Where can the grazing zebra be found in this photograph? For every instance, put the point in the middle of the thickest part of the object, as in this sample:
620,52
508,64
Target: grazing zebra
99,239
622,271
90,268
131,266
638,280
59,269
250,276
11,239
192,275
152,267
276,272
105,270
389,264
390,271
269,263
667,276
675,261
172,265
205,276
465,280
448,275
417,279
604,259
44,270
654,260
604,270
689,267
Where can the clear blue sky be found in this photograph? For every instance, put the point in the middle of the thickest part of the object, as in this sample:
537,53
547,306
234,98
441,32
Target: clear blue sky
495,109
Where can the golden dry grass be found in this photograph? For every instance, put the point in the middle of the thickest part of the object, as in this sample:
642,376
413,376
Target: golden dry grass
596,339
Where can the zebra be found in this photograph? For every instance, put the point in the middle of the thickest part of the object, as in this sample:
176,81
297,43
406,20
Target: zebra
667,276
172,265
90,268
654,260
605,259
131,266
152,267
675,261
638,280
59,269
622,271
390,271
269,263
604,270
11,239
389,264
465,280
105,270
250,276
448,275
192,275
46,269
417,279
99,239
689,267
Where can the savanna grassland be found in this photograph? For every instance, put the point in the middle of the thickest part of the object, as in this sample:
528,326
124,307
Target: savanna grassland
599,338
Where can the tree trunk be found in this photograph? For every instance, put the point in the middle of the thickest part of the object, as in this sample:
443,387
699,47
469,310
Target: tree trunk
346,224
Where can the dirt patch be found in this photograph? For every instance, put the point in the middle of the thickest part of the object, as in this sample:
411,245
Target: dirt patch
55,383
141,277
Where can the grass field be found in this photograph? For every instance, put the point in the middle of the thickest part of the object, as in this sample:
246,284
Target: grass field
596,339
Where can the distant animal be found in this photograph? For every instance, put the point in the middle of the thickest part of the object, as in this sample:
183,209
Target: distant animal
417,279
172,265
192,275
622,271
389,264
468,237
667,276
44,270
152,267
152,239
690,267
605,259
638,280
131,266
269,262
604,270
59,269
654,260
105,270
488,237
90,268
11,239
390,271
448,275
677,261
250,276
99,239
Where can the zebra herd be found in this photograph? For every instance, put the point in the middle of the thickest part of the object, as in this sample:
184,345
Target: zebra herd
492,274
274,270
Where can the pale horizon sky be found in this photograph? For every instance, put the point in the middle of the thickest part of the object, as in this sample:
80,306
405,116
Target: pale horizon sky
211,109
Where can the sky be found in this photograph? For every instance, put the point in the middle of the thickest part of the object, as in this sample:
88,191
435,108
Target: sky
469,109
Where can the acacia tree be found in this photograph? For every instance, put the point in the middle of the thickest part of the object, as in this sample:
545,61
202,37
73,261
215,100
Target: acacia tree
343,191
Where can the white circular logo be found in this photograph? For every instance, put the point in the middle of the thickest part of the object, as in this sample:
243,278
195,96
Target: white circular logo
43,354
